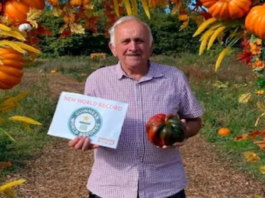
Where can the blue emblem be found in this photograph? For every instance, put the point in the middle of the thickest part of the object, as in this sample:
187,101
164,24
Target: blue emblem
85,121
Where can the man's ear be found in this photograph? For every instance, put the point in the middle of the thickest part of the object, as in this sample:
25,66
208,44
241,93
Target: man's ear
112,48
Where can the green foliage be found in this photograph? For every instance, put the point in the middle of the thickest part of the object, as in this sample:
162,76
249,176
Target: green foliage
37,105
168,38
260,82
77,44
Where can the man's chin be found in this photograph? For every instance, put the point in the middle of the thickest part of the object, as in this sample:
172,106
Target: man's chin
134,63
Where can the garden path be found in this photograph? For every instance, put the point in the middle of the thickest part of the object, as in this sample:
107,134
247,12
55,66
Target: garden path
61,172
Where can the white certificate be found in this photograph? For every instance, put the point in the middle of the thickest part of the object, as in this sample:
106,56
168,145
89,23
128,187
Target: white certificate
80,115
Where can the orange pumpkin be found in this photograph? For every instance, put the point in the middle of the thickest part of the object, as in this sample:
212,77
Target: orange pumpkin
11,69
183,17
255,21
76,2
227,9
17,10
53,71
86,2
69,18
37,4
224,131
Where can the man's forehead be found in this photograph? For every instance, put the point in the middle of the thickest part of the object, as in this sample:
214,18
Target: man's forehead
131,29
131,25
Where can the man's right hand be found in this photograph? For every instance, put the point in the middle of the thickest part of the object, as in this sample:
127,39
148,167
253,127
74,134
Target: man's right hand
82,143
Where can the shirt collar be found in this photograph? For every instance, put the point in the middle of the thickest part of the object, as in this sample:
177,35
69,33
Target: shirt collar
153,72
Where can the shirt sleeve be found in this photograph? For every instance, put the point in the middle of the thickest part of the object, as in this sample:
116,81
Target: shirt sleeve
189,105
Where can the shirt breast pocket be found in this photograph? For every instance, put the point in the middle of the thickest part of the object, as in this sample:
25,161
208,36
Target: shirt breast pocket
166,103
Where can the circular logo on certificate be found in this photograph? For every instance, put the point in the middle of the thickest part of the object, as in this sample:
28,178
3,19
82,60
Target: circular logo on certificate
85,122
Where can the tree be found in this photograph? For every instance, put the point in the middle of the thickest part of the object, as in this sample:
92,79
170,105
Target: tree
169,40
77,44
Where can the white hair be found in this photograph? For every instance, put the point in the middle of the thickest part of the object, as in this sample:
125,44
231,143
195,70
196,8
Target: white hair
128,18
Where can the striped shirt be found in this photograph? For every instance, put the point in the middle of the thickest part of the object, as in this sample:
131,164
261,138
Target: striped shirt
137,164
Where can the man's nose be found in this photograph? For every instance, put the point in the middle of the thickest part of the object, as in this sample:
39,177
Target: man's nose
133,46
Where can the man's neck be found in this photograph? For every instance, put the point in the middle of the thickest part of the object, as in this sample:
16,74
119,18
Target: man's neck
138,72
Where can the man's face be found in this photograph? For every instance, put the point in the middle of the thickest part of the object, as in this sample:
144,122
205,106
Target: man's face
132,44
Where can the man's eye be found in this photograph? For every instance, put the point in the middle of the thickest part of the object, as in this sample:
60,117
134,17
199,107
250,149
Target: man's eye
138,41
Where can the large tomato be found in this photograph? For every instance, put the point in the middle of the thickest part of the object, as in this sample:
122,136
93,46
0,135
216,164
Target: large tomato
11,69
255,21
227,9
165,130
17,10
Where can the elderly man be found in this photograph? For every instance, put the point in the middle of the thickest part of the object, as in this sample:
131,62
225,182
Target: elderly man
138,168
